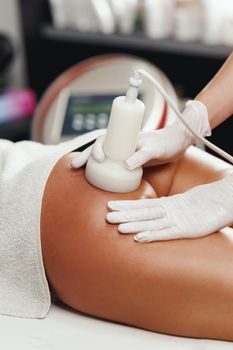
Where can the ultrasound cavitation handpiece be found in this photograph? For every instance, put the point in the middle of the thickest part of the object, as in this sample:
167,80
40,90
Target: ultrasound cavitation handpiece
121,139
120,143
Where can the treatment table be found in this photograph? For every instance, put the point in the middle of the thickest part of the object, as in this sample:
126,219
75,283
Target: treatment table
65,329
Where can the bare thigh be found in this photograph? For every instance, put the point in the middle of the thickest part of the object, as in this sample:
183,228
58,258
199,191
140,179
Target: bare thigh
178,287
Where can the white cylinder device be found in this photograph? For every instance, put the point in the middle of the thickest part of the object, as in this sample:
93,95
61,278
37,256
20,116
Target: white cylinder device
120,143
121,140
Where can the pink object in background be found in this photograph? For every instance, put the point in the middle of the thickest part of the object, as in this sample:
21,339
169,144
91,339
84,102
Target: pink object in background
17,104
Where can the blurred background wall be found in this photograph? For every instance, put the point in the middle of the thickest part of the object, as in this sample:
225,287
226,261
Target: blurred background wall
10,24
49,36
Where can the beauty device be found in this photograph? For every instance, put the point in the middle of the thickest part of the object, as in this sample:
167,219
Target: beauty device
120,143
121,140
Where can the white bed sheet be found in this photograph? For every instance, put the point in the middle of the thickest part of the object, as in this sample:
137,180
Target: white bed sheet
65,329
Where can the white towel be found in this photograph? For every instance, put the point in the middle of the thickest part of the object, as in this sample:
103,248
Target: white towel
24,169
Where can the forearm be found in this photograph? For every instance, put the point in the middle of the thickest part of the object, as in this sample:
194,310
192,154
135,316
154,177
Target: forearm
217,95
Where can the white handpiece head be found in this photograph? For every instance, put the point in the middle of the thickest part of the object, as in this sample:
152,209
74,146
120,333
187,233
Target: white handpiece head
120,143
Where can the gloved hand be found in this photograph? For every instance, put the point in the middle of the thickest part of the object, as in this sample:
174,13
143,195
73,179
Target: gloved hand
169,143
96,150
163,145
198,212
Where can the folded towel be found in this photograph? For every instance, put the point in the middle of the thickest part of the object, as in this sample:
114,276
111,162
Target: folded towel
24,169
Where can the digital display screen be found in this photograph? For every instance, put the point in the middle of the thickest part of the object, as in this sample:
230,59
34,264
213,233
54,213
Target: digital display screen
87,113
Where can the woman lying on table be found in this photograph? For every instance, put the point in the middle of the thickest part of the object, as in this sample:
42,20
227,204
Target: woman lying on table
53,222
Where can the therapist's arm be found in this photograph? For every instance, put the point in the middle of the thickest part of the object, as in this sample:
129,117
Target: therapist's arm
217,96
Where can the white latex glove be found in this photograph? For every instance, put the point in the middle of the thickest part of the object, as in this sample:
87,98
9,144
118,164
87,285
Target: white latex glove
163,146
169,143
96,150
198,212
